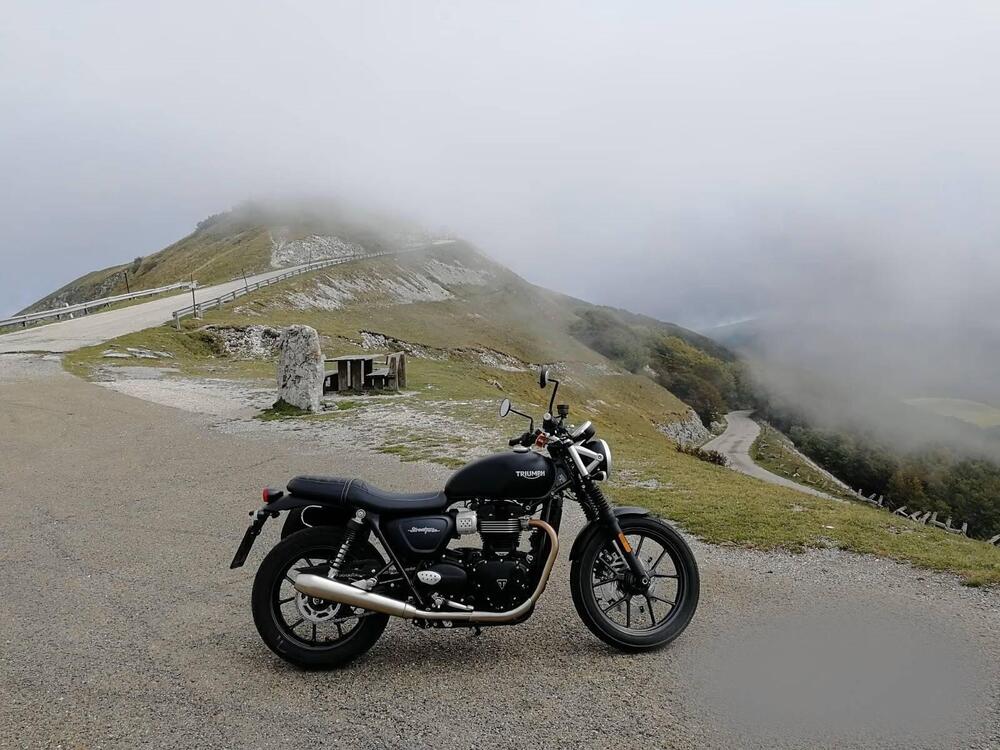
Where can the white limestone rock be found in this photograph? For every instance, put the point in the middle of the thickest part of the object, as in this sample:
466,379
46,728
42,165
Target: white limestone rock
689,431
300,368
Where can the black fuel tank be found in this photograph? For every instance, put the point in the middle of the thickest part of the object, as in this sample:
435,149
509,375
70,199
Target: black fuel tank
519,476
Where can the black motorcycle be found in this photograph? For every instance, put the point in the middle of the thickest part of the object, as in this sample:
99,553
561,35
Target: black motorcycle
352,555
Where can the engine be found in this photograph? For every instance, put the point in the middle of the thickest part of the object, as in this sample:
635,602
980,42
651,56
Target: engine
497,577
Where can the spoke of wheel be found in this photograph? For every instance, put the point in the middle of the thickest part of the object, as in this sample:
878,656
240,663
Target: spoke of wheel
628,613
289,579
285,601
340,630
664,575
606,581
653,569
314,632
612,605
652,617
299,622
638,547
672,604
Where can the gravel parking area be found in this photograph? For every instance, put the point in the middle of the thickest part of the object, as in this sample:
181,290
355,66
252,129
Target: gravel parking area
123,626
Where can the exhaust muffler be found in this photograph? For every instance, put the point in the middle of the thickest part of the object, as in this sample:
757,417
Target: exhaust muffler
343,593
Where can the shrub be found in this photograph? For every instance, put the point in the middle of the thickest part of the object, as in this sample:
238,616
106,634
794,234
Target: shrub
712,457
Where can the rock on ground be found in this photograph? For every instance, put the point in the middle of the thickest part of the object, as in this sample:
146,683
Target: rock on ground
300,368
248,342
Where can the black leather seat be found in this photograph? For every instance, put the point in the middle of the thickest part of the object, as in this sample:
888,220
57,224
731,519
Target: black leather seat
359,494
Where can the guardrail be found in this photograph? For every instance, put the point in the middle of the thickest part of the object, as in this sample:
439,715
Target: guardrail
85,306
198,308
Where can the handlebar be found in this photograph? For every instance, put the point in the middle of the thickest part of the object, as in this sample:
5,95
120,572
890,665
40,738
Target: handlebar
525,439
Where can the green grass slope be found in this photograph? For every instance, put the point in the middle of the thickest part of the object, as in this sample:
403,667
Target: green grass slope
975,413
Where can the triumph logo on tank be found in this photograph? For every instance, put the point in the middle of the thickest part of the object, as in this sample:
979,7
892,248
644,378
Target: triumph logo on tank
532,474
422,530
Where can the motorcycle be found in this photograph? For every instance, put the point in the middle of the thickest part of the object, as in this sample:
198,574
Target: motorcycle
351,555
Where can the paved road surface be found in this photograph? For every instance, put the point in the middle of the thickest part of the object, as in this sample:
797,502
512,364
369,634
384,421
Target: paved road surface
122,626
87,330
735,443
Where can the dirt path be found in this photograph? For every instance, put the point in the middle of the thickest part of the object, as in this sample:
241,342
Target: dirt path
123,626
735,444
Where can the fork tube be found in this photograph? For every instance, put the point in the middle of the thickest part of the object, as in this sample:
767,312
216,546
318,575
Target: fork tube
607,515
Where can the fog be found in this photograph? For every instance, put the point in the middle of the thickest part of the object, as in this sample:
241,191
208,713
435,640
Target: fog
832,163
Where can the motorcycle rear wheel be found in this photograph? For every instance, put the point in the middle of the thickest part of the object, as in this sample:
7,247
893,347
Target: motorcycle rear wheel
312,633
625,616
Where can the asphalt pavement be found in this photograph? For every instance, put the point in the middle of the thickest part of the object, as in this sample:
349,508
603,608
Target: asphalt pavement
123,627
735,444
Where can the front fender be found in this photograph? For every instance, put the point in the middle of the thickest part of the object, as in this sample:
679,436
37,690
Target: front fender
594,527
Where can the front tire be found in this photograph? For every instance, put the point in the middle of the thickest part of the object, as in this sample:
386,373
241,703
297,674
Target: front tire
622,615
308,632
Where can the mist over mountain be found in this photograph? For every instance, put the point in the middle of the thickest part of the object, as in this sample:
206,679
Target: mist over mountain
700,163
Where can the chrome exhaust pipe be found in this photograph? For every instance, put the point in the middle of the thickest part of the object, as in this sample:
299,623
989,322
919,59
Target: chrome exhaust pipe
343,593
321,587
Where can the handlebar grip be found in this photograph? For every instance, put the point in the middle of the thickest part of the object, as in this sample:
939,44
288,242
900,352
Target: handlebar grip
515,440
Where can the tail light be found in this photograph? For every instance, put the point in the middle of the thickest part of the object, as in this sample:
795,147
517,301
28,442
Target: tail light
270,495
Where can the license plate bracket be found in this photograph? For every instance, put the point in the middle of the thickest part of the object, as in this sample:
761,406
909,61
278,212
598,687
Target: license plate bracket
253,530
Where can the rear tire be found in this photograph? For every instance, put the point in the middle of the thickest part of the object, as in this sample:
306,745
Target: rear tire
598,563
300,643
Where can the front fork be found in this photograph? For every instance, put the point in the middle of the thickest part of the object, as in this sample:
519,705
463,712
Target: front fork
606,515
640,575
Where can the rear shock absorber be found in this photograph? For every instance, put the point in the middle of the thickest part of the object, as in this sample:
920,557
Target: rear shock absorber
351,531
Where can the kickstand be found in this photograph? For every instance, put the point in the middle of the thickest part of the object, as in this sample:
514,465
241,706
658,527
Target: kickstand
476,631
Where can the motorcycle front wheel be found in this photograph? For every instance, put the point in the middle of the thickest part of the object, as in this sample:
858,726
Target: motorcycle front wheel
627,616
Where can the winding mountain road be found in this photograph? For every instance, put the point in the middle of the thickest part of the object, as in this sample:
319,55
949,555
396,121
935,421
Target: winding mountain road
735,444
87,330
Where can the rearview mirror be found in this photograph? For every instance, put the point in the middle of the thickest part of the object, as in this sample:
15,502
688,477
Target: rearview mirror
543,376
504,408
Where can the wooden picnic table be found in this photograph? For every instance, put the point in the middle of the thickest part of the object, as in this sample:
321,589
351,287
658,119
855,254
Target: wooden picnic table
356,371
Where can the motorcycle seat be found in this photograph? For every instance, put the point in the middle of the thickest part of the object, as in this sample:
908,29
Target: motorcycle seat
357,493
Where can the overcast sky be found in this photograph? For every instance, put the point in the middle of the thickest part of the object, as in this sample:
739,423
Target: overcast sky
699,162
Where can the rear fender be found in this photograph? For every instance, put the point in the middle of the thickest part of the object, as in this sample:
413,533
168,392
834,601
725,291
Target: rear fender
307,513
595,527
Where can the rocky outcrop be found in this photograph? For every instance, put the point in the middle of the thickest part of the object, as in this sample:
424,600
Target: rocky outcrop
688,431
247,342
300,368
290,252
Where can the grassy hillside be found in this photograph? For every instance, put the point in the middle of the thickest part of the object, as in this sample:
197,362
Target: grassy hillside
776,453
973,412
474,330
243,240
